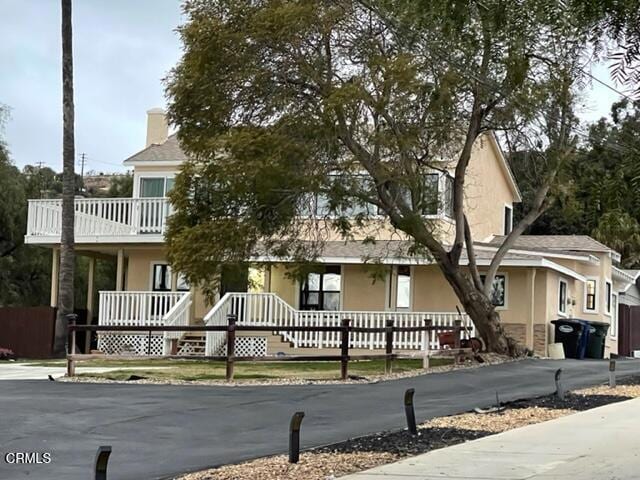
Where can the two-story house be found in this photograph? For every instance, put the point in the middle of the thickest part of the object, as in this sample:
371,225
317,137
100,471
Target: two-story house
541,279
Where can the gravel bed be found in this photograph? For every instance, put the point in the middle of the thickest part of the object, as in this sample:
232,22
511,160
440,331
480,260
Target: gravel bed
488,359
359,454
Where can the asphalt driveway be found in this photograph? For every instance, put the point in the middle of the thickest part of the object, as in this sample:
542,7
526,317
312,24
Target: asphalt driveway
159,431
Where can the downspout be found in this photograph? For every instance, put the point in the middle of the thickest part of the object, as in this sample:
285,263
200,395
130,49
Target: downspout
532,310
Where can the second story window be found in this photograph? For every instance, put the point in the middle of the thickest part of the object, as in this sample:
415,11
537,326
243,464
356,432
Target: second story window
591,287
508,219
607,297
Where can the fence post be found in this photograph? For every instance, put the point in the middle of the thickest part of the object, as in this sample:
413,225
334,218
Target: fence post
458,330
231,345
410,412
612,373
388,347
72,320
294,437
101,461
344,348
426,340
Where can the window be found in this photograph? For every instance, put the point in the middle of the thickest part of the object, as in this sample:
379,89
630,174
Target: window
613,330
607,297
155,187
448,196
403,290
161,278
591,287
498,290
562,297
182,285
508,219
429,204
321,290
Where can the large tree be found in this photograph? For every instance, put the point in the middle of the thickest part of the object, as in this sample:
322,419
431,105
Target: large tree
353,102
67,253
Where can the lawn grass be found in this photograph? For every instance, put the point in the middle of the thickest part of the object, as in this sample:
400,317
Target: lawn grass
195,370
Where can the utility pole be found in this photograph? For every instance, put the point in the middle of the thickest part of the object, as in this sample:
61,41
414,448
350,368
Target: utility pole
83,162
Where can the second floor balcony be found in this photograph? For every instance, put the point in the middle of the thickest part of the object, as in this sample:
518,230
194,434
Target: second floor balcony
107,220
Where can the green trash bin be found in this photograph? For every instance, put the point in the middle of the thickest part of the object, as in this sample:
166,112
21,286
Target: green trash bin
597,338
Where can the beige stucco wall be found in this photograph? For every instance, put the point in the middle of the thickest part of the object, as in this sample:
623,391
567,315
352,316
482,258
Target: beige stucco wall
360,290
486,191
139,271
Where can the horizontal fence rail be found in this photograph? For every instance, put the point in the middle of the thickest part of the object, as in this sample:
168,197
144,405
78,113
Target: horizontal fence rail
95,217
268,309
345,331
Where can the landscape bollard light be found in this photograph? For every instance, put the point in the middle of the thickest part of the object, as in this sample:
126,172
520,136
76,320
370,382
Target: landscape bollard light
559,387
100,464
410,412
294,437
612,373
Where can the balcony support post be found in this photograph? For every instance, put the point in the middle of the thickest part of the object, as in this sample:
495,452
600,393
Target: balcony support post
90,301
120,271
55,267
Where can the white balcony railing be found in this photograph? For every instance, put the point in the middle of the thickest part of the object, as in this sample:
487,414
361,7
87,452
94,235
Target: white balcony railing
268,309
100,217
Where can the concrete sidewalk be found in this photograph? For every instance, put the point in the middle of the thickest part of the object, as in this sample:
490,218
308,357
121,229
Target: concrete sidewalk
602,443
27,371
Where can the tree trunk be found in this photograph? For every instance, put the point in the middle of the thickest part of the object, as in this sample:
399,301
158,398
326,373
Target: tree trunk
483,314
67,254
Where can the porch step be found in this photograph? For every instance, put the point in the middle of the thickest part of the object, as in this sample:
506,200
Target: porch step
192,344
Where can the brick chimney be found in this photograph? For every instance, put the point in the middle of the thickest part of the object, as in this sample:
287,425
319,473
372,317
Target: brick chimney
157,128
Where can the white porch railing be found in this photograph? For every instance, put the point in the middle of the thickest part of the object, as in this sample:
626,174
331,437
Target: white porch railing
136,308
178,315
100,216
267,309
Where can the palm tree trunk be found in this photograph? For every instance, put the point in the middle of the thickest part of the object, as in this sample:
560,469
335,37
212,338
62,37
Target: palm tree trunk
67,254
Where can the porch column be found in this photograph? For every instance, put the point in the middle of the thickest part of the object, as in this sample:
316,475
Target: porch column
90,298
267,279
120,271
55,266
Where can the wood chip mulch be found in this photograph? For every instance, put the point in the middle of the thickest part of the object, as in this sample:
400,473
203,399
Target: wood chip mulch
355,455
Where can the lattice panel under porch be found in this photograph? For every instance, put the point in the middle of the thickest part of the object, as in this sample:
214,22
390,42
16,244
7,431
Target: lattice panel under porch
250,347
123,344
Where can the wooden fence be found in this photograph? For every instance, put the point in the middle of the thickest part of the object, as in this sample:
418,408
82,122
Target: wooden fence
28,331
345,330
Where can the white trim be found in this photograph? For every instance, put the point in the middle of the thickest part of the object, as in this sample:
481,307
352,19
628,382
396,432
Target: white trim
538,262
504,226
154,163
613,328
538,253
584,295
623,276
566,297
140,238
505,167
137,181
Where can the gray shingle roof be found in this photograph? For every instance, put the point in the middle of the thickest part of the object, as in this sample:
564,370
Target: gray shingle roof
580,243
168,151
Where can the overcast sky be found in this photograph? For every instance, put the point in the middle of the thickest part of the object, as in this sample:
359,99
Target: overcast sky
122,50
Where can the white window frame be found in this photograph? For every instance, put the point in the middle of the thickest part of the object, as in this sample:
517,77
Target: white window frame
608,301
566,297
506,290
137,181
504,225
584,303
613,328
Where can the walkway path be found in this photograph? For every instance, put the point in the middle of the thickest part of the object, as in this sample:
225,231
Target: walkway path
160,430
26,371
602,443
